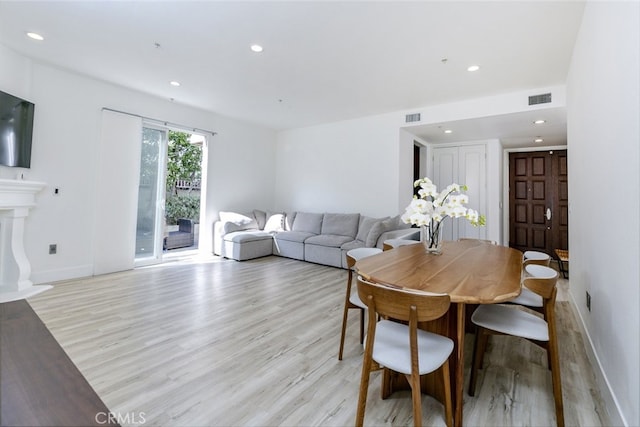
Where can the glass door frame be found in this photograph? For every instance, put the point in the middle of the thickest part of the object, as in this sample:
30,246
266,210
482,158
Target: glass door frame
159,227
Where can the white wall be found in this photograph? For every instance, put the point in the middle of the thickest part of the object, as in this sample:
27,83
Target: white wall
349,166
603,105
67,129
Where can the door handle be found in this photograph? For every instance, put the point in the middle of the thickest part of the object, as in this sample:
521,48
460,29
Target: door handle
548,214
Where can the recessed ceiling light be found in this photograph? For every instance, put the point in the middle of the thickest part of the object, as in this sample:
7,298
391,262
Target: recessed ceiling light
256,48
539,122
35,36
473,68
448,131
174,83
538,139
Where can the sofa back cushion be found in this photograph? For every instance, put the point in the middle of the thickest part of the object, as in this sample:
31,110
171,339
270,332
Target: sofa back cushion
261,218
308,222
340,224
366,224
380,227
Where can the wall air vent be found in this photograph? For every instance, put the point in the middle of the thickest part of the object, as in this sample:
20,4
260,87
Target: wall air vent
544,98
412,118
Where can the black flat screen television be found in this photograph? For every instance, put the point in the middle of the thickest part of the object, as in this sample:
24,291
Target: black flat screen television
16,131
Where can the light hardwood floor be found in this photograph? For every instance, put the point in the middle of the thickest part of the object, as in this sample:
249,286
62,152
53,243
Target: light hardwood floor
212,342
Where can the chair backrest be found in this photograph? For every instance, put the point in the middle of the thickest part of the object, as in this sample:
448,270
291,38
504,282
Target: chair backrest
542,281
535,257
402,304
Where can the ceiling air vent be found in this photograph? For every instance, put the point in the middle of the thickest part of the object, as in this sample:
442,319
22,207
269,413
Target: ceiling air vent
544,98
412,118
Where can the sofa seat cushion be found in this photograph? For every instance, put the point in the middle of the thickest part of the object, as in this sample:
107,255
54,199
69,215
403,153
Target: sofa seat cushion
325,255
247,236
328,240
294,236
354,244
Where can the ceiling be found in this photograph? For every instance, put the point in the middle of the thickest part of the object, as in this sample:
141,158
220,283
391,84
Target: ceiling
323,61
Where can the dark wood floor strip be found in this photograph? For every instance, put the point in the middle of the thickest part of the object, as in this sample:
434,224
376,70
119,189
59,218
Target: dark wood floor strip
39,384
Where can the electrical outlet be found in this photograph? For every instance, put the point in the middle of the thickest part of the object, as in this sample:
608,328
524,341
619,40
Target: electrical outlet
588,301
53,249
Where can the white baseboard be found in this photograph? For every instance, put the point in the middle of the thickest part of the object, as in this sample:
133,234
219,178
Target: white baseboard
50,276
616,418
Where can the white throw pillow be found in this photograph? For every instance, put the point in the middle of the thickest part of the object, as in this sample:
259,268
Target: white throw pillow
275,222
240,221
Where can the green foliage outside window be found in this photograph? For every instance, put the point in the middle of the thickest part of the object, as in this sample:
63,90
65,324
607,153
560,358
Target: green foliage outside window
183,164
182,206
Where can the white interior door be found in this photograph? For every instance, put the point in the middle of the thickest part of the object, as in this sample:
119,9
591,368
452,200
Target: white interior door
465,164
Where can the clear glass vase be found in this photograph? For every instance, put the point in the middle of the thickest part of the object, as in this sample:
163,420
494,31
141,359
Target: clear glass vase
431,237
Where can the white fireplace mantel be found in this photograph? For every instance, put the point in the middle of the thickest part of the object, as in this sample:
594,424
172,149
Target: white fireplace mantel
16,198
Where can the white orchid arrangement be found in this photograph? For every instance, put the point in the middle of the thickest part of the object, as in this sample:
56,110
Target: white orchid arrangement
430,208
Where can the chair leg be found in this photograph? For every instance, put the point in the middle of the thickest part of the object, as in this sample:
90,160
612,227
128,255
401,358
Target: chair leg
416,397
386,383
364,388
345,315
446,386
479,348
552,351
361,325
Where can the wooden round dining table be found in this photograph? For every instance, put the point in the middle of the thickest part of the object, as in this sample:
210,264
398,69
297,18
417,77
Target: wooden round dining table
470,271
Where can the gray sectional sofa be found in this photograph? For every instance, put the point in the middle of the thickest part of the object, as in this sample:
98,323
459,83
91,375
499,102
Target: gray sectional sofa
321,238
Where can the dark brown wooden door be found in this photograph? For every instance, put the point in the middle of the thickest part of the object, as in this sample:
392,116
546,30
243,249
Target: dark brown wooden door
538,201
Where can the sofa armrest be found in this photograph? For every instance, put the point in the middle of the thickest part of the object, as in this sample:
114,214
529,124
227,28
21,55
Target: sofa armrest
218,234
405,233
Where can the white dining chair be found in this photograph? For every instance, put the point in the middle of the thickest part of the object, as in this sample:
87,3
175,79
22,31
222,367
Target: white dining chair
528,298
352,301
510,320
399,345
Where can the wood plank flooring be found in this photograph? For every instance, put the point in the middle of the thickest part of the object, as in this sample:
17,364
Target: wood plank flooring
213,342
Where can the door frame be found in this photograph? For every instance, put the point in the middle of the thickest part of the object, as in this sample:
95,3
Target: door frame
159,254
505,182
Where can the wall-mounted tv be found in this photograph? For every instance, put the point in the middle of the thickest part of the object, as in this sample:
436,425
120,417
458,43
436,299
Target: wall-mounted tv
16,131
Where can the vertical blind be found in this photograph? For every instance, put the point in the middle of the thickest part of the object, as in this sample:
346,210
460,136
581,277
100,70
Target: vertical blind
117,192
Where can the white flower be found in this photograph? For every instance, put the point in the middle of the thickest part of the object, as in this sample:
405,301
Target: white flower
456,211
420,205
431,207
427,188
438,215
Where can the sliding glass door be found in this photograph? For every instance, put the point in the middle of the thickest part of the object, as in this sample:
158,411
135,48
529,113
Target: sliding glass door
150,220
